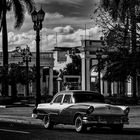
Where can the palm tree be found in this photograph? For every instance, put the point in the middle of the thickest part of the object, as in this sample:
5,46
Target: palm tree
121,10
19,7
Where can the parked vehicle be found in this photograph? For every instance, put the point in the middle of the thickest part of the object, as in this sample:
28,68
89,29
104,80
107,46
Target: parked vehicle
82,109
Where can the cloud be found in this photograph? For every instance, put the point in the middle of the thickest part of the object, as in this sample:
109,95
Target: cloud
64,30
53,16
60,1
20,39
66,37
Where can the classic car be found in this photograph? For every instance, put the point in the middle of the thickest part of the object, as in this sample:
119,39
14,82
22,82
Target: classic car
82,109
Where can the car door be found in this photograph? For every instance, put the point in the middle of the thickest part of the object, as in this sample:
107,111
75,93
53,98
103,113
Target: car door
64,108
55,107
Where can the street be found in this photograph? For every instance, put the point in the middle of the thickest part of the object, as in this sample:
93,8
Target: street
13,131
16,124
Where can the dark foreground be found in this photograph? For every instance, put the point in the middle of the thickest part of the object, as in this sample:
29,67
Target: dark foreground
14,131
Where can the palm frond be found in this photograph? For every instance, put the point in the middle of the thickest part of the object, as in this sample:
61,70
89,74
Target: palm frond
30,4
19,7
19,11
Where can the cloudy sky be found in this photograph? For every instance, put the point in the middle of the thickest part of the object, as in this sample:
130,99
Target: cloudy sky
64,25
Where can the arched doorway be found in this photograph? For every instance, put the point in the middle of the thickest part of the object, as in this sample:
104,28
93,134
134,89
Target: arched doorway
93,80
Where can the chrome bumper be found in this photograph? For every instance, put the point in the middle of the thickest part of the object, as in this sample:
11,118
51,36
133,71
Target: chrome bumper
99,121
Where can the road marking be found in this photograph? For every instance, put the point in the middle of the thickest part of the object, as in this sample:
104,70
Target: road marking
14,131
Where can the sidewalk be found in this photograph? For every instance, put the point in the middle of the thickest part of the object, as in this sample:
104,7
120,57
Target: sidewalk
23,115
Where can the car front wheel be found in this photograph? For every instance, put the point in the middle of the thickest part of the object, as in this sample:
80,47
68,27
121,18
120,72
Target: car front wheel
47,122
79,126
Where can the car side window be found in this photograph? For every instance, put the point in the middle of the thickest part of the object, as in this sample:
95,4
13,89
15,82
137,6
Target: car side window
67,99
58,99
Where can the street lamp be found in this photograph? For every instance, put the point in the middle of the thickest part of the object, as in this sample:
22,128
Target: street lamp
26,55
37,18
99,57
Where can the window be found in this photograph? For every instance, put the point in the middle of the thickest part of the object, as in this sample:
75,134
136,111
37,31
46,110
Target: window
67,99
87,97
58,99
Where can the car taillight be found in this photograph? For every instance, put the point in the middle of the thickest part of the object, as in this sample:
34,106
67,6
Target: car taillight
126,111
90,110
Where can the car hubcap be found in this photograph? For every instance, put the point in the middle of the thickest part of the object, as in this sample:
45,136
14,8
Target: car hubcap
46,122
78,124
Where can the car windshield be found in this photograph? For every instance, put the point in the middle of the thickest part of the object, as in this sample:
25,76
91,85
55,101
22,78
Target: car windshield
86,97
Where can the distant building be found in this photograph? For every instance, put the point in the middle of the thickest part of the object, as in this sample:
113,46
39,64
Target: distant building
46,61
89,76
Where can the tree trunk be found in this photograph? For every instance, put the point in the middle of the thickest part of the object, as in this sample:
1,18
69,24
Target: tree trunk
109,88
14,91
122,88
133,41
5,49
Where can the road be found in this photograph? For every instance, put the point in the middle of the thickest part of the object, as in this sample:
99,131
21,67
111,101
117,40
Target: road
16,124
14,131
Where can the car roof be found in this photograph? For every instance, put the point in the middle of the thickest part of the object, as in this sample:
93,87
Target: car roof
79,92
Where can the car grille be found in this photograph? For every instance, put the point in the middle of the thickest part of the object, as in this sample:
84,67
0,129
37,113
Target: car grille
109,118
106,118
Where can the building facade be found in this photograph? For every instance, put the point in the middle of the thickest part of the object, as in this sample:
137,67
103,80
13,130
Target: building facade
46,61
89,75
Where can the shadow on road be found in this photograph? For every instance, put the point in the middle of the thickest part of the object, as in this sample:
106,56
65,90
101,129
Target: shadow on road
69,129
125,131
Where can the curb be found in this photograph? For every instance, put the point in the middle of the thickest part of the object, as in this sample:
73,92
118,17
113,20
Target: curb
20,120
17,105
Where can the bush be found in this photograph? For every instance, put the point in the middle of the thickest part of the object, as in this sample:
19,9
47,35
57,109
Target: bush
46,98
5,100
121,100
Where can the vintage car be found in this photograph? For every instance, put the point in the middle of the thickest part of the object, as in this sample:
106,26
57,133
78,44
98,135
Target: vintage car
82,109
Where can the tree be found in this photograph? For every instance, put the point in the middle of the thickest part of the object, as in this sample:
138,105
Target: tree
19,7
120,10
73,68
17,74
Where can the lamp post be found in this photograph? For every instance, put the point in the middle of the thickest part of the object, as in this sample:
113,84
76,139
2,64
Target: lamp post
99,56
37,18
26,55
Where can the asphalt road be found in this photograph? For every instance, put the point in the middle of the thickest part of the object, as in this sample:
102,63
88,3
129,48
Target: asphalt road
14,131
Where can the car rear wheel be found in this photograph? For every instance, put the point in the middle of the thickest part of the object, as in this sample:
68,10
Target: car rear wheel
47,122
79,126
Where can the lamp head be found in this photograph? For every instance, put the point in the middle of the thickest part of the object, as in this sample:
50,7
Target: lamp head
40,15
34,16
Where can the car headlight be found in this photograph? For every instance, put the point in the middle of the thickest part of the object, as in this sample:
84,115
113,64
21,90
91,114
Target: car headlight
126,111
90,110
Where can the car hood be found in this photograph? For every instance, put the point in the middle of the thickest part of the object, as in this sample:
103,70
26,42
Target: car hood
103,108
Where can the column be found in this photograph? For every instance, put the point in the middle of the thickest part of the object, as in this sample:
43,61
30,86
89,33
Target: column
83,71
88,74
59,80
129,88
51,81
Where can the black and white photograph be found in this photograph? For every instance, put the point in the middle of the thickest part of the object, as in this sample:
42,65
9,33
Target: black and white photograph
69,69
